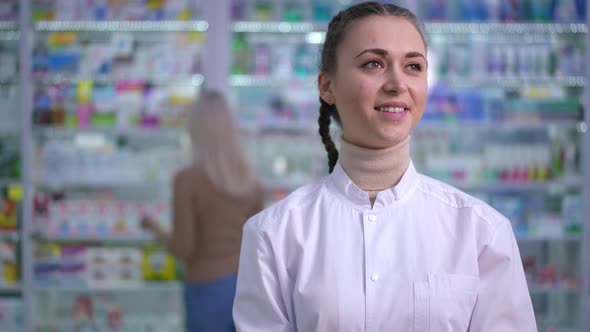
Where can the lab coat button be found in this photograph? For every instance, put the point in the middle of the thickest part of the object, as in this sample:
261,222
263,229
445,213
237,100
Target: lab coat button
375,277
372,218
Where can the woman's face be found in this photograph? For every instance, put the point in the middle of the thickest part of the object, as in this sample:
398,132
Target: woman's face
379,85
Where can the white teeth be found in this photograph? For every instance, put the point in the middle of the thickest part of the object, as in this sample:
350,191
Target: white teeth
391,109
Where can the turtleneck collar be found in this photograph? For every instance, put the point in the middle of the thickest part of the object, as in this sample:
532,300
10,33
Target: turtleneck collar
374,170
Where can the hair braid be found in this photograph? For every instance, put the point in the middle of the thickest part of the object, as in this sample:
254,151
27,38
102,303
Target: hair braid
326,111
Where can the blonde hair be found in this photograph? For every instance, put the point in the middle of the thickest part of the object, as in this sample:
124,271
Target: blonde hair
215,137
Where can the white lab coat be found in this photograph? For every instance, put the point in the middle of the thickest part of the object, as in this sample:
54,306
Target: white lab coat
426,257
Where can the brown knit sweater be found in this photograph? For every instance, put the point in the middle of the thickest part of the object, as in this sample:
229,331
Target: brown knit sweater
207,225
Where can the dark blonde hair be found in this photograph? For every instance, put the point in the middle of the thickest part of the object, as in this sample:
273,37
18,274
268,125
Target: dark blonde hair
215,136
334,36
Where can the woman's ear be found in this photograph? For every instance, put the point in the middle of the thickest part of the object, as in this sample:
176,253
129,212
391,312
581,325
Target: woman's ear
325,88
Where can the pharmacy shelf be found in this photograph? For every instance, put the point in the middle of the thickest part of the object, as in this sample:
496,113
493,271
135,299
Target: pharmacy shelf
110,240
430,28
557,185
541,124
550,238
551,186
518,82
277,27
145,186
555,327
122,26
505,28
270,82
172,134
190,80
8,128
10,290
161,133
139,287
280,128
9,35
309,32
47,132
9,236
238,81
306,128
8,25
130,324
8,181
9,81
552,290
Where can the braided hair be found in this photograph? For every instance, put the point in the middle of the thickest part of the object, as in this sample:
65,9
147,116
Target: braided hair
326,112
334,36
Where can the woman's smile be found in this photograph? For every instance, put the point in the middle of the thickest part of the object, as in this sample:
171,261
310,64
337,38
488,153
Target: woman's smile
393,110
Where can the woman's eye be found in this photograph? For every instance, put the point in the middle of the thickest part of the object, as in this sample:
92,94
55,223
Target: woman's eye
373,64
415,67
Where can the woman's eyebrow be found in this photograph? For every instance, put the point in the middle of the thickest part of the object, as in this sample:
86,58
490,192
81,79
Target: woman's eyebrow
415,55
378,51
382,52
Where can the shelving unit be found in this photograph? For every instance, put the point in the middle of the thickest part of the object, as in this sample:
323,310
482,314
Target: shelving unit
585,247
10,290
11,220
279,108
11,236
64,104
121,26
98,240
52,300
550,240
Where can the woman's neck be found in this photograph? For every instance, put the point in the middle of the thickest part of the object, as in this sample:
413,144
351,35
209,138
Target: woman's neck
374,170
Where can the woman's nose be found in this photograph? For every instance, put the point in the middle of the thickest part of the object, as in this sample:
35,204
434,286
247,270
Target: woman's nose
394,83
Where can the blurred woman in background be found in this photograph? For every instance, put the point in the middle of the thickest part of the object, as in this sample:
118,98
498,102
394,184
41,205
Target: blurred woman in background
212,199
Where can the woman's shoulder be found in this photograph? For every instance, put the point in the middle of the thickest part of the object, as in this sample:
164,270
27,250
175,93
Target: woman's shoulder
456,198
299,200
187,173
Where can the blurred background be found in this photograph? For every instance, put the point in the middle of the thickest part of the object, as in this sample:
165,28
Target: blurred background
94,96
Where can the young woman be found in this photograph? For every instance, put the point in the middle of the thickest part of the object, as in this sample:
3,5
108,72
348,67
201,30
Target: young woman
212,200
376,246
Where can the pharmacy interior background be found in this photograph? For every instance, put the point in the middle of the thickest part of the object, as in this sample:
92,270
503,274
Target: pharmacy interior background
94,97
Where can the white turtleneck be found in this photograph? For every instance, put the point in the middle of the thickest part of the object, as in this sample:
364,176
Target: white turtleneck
374,170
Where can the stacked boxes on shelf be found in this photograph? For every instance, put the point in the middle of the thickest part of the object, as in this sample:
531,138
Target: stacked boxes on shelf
100,10
11,318
503,11
97,219
9,10
129,80
97,268
65,162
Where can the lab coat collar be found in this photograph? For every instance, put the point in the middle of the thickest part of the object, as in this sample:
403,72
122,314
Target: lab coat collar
343,185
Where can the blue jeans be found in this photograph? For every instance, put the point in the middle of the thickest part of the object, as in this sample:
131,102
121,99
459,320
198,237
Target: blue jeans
208,305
